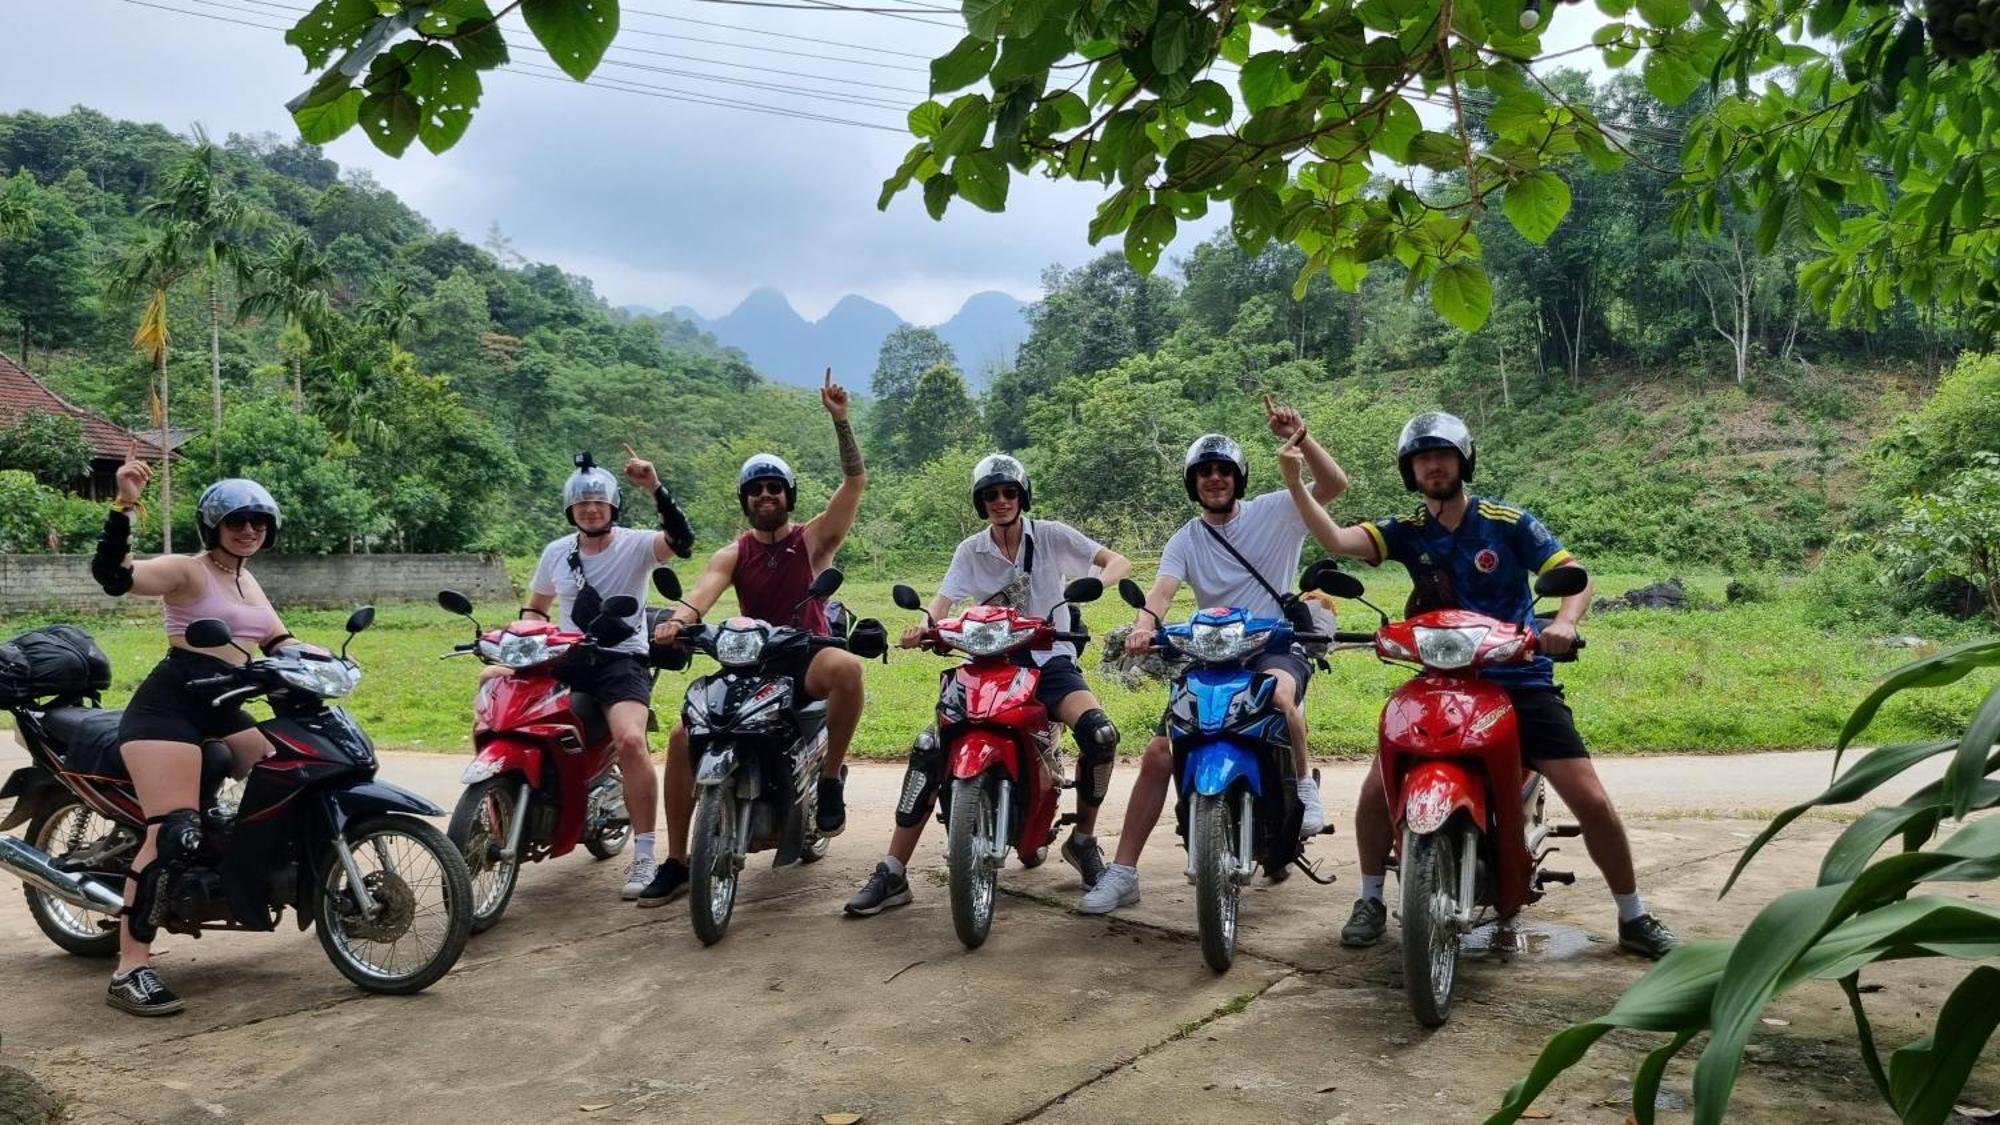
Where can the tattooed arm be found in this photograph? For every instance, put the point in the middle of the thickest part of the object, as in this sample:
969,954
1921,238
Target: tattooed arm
826,531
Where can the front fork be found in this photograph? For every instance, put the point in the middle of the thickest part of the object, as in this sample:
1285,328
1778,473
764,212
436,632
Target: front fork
1246,839
1468,876
520,825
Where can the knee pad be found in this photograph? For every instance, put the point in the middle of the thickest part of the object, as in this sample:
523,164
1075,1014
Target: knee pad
1097,751
175,851
920,779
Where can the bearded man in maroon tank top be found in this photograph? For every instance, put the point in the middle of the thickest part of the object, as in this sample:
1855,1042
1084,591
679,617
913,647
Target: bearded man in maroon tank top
770,567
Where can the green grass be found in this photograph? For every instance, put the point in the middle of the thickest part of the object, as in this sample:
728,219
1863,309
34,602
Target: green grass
1754,677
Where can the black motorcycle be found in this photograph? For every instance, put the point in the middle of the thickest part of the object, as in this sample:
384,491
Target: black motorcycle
757,743
314,830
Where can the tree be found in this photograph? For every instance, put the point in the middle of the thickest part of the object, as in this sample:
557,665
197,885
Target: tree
50,446
391,309
46,283
940,416
196,197
289,280
906,354
161,260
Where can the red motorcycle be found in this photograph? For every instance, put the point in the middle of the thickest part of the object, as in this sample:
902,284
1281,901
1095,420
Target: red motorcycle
544,776
1001,747
1471,820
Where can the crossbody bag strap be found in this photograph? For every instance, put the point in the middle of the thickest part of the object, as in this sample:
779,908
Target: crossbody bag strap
1238,556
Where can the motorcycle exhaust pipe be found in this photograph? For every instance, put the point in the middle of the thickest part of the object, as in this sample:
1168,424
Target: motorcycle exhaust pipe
33,867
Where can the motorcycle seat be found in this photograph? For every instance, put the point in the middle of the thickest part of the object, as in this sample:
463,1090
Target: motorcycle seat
589,712
86,739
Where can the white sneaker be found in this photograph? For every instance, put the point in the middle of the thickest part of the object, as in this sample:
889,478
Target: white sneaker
1118,886
1314,819
637,876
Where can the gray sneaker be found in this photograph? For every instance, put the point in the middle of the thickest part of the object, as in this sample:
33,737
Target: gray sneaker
637,876
1647,936
1118,886
884,889
1364,926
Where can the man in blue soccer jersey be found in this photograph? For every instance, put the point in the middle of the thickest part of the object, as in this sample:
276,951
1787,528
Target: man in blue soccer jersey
1470,552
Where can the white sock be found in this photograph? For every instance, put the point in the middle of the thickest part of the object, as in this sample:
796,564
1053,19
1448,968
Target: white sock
642,846
894,865
1629,906
1308,791
1371,886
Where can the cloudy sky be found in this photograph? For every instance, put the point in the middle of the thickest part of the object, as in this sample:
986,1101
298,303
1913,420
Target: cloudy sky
661,200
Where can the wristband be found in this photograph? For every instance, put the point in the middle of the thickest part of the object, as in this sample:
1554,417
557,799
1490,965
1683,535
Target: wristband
528,609
269,645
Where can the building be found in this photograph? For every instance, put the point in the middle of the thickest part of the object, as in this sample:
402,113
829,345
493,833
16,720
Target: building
21,395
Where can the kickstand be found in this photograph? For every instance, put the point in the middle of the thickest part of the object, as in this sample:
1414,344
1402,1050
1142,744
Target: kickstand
1312,871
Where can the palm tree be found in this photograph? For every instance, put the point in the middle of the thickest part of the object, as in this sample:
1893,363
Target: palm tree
155,265
350,404
290,280
391,310
197,195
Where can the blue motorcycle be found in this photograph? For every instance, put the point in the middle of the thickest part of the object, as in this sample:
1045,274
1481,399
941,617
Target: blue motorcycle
1237,803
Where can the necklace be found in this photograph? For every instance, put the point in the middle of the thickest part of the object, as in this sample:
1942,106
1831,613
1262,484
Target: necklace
221,569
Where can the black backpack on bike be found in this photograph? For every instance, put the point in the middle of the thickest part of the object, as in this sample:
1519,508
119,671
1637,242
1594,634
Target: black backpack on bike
60,662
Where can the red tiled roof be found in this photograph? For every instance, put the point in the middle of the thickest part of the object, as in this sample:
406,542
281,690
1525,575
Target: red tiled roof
22,394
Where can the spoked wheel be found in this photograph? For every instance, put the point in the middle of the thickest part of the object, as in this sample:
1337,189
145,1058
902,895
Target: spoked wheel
1212,842
605,842
969,843
73,835
1429,877
422,912
713,864
479,827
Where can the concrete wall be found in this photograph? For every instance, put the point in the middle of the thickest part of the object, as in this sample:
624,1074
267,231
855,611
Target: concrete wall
62,582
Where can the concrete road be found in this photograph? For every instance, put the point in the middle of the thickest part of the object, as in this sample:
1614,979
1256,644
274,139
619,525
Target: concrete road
580,1007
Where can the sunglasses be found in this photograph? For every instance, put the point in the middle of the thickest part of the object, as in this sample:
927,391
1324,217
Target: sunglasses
764,488
1213,469
238,521
999,492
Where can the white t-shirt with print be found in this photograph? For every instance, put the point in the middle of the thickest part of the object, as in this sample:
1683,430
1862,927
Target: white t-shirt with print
625,566
979,571
1267,530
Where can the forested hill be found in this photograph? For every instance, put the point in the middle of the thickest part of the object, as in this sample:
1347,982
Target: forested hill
1657,400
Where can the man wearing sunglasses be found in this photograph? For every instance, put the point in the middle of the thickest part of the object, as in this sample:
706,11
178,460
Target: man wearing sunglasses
1236,552
771,567
1023,564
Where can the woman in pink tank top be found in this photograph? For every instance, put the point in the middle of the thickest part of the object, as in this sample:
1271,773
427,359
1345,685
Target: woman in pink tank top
163,728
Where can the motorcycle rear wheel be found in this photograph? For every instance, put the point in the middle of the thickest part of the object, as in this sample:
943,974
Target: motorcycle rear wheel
1429,877
479,827
712,870
974,881
72,928
1211,839
609,842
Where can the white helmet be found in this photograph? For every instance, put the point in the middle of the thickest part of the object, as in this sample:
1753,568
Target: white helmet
766,466
589,482
1215,448
999,468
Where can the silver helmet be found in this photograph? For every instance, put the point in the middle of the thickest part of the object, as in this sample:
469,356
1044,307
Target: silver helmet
225,498
1215,448
766,466
590,481
1434,429
999,468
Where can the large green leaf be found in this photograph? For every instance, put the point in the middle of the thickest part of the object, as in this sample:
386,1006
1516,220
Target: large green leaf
1439,152
331,26
1665,13
962,65
1536,204
390,120
1646,1080
1669,76
575,33
474,33
982,17
1265,82
446,88
963,126
1028,56
325,120
982,180
1173,41
938,190
1968,766
1201,163
1462,294
1936,670
1400,125
1926,1076
1151,230
1254,217
1518,116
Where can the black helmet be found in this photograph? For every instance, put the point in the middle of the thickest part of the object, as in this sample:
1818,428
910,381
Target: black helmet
998,468
1434,429
766,466
589,482
1215,447
225,498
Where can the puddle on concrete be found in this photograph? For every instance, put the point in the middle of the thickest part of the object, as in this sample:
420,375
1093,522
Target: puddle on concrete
1525,941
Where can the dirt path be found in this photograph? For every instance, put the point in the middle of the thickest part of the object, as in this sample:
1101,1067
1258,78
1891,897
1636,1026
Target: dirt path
578,1000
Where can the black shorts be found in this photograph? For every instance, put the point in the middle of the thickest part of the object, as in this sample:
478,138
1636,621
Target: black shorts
1548,730
1060,678
1290,661
165,709
611,677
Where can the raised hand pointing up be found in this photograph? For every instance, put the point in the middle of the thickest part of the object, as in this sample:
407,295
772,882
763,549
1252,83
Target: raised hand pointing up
133,476
640,471
834,397
1286,423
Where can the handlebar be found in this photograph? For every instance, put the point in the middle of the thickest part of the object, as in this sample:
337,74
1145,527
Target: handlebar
207,682
1345,637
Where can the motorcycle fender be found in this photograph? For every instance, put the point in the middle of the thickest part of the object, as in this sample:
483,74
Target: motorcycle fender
1433,791
372,797
716,766
976,751
1212,767
502,756
33,786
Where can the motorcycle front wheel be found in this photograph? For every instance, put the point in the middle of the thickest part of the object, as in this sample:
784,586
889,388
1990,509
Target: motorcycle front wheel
712,867
974,881
1429,877
480,825
1212,844
422,895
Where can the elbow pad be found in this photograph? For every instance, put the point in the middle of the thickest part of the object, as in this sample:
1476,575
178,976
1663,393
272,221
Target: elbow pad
108,565
674,522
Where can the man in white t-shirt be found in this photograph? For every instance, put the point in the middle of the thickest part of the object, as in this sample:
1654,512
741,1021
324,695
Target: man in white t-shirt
1023,564
1265,532
602,561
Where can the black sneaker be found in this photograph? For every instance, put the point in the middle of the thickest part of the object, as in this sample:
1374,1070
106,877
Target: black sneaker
142,993
1087,858
884,889
669,883
832,818
1364,926
1647,936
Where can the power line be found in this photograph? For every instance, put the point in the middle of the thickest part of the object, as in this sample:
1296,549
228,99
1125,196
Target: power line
771,34
829,6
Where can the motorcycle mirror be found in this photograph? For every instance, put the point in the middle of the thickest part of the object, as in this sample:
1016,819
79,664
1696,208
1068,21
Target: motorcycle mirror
608,630
361,619
209,632
666,582
1328,579
620,607
1562,582
826,582
869,639
1131,593
451,601
1084,590
906,598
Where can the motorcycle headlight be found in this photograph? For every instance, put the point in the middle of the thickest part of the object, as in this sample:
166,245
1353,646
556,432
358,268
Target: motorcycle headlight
739,647
1216,643
517,650
1500,654
328,679
1449,648
984,638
